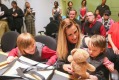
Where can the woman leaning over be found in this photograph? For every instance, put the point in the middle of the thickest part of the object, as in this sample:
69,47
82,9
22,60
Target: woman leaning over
68,39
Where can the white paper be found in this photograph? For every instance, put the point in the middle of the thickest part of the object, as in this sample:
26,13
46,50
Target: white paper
13,72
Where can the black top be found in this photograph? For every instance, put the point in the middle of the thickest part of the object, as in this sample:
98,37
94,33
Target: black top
60,63
5,9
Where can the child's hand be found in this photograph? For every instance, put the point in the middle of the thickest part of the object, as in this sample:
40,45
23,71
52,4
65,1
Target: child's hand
108,64
10,59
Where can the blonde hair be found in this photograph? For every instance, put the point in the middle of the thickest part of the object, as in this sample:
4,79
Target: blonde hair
98,41
62,47
24,40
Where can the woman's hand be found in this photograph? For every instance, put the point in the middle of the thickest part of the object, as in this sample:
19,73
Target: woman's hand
68,68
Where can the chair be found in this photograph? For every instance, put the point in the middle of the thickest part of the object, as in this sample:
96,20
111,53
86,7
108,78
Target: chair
8,41
47,40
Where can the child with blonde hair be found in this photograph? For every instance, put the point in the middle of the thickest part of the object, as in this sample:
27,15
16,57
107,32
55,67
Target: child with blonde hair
28,47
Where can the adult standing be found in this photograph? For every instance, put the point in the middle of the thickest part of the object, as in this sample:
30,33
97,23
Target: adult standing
83,11
56,11
29,18
3,19
102,7
70,7
15,18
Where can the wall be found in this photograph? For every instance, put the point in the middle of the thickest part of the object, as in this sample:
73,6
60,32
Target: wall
43,9
92,4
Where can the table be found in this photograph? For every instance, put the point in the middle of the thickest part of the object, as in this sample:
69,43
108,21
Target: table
57,74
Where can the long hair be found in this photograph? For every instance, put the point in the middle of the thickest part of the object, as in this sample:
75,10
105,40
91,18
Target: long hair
24,40
84,1
14,2
62,47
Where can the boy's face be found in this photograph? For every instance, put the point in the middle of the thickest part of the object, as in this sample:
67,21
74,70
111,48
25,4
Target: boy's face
94,51
30,49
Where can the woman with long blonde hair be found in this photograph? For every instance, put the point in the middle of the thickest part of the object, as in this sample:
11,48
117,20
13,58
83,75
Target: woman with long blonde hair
68,39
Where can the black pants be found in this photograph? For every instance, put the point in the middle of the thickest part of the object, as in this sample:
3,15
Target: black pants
17,29
113,57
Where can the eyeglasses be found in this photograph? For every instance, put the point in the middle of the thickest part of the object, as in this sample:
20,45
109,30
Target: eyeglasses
106,14
89,15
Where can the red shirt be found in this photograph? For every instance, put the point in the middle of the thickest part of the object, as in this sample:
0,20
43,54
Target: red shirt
46,54
114,32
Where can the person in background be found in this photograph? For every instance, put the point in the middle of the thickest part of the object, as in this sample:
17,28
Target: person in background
97,15
15,17
56,11
70,7
69,37
102,7
106,20
113,44
26,46
83,11
92,26
29,19
72,16
3,19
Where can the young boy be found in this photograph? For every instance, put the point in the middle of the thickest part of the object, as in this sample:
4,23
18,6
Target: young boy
26,46
96,49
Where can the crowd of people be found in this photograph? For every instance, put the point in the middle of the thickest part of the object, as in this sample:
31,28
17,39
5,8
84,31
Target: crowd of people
12,19
94,32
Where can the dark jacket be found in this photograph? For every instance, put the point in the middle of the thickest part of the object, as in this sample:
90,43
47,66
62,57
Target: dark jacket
60,63
15,22
5,9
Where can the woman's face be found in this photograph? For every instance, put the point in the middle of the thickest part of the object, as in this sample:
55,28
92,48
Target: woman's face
84,2
14,5
55,4
30,49
27,5
72,34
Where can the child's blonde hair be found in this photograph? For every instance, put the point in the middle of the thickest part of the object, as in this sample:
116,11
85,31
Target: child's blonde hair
98,41
24,40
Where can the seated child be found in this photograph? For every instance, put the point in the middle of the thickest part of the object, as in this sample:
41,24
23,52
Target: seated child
96,48
26,46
